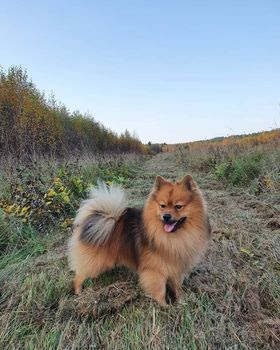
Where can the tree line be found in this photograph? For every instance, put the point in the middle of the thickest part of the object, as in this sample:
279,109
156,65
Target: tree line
31,123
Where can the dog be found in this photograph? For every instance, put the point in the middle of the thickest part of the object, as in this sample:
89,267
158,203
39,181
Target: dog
162,242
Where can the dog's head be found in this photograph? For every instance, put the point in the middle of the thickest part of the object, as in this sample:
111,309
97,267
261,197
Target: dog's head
174,203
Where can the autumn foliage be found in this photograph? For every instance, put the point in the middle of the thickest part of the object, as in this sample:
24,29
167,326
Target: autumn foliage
234,143
32,124
243,160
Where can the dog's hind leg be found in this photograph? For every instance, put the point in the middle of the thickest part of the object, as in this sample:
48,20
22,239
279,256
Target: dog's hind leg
92,269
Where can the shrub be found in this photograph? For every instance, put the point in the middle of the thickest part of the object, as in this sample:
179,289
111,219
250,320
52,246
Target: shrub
43,199
242,170
48,194
119,173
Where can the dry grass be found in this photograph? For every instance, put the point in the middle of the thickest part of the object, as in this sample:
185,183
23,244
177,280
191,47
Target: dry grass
231,300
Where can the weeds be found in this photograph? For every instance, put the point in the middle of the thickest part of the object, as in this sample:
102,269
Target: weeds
254,166
42,196
240,171
45,194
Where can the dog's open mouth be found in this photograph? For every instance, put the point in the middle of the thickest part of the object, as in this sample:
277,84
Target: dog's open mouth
174,225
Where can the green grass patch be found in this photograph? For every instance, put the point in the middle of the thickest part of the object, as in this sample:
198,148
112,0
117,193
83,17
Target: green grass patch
240,171
19,240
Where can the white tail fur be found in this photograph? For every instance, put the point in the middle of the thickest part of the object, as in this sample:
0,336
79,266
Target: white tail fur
98,214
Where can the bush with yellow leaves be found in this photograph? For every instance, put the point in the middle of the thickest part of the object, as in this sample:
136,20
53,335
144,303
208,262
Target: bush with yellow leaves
49,194
43,199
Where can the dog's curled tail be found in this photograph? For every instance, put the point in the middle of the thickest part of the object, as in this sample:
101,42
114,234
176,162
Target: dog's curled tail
98,215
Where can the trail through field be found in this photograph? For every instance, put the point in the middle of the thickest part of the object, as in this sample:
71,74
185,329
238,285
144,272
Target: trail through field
231,300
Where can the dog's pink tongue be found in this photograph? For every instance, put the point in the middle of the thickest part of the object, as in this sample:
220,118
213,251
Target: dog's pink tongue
169,227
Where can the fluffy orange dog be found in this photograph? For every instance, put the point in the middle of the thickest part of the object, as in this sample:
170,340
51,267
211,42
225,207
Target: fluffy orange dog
162,242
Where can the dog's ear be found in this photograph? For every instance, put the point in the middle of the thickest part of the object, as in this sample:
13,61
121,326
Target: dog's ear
159,182
189,182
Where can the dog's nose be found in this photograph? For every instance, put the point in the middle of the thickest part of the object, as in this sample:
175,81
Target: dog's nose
166,217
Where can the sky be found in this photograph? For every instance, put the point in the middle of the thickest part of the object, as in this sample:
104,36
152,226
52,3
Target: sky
172,71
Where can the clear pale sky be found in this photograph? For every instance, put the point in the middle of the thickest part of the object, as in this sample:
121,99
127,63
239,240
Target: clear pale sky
172,71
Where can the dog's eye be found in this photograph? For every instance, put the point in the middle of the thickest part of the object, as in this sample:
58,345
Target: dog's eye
162,205
178,206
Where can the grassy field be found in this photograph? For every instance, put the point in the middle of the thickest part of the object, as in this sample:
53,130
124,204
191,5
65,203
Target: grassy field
231,300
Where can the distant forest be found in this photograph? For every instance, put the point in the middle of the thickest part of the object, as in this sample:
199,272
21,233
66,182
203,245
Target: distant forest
31,123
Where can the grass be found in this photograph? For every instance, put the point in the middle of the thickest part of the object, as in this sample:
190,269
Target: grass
242,170
254,165
231,301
